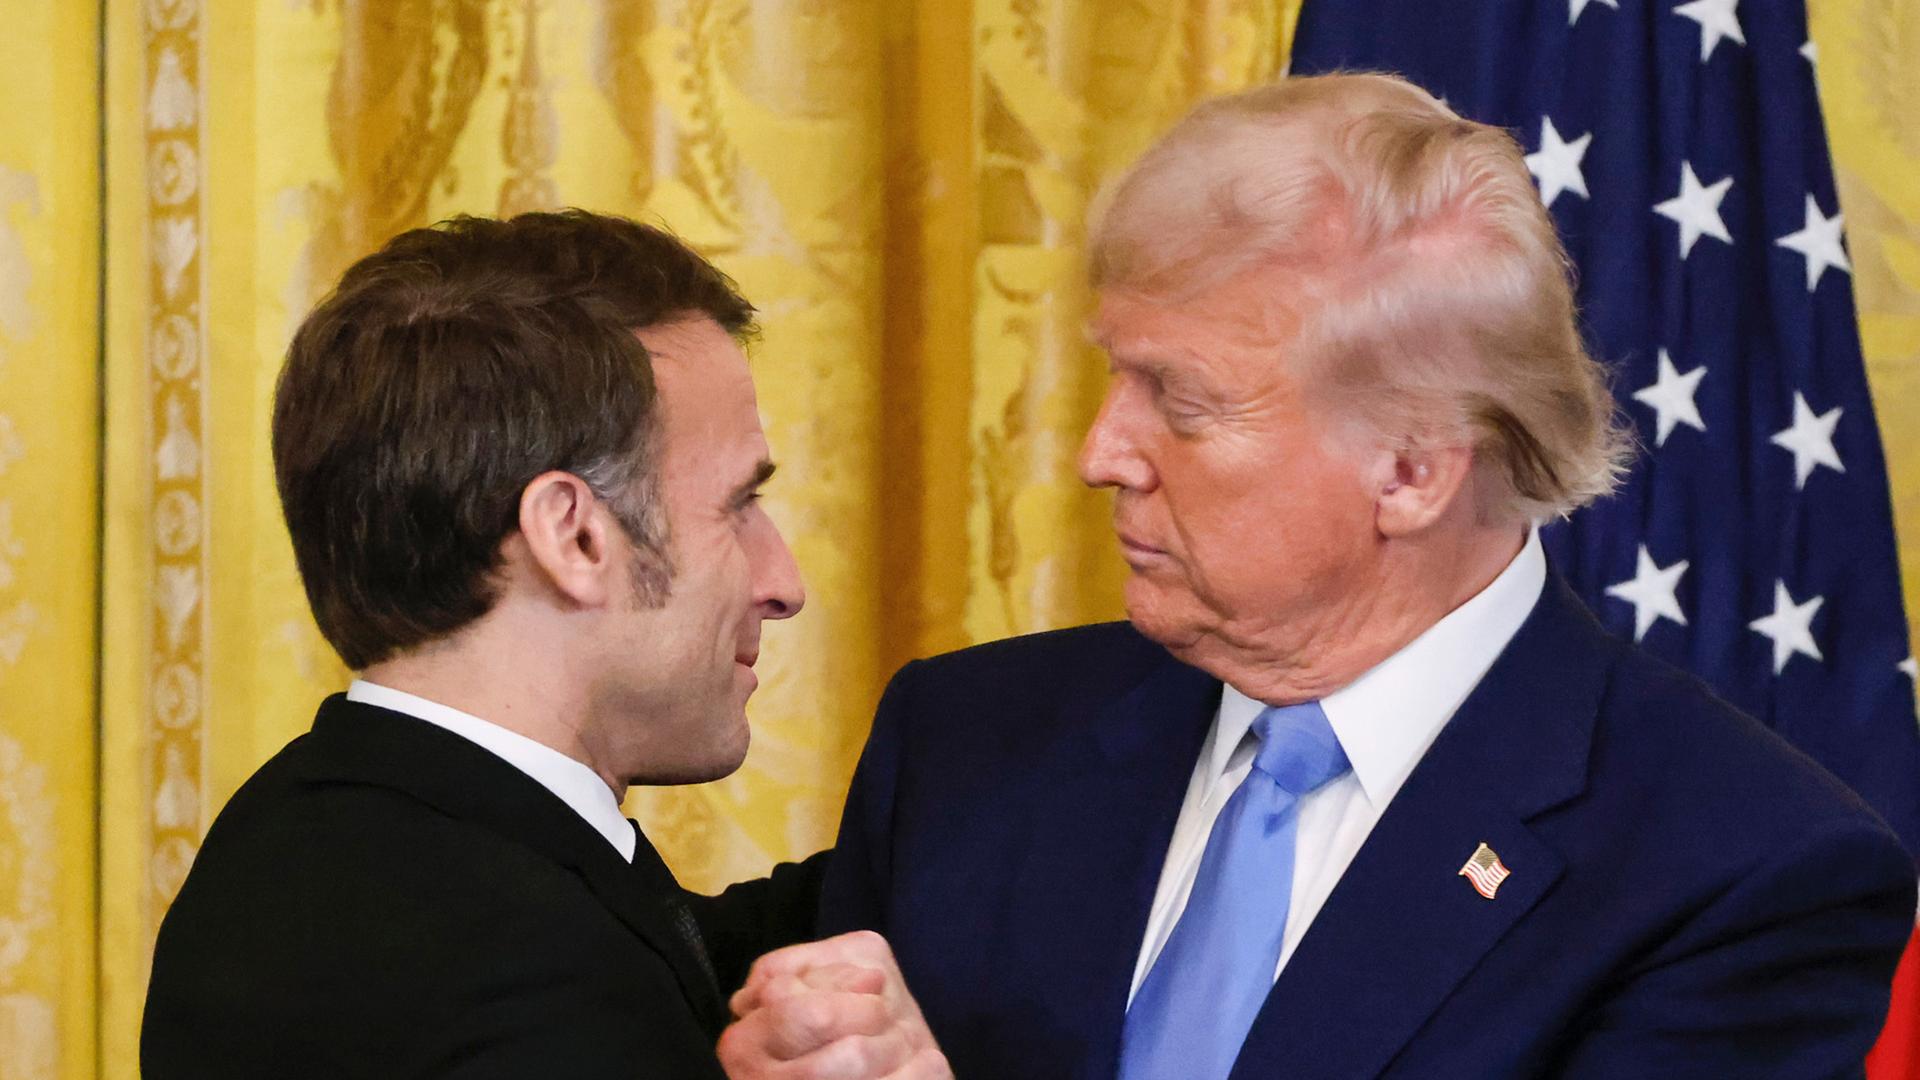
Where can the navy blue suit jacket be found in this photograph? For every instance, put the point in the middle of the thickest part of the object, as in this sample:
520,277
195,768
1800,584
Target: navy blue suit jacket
1689,895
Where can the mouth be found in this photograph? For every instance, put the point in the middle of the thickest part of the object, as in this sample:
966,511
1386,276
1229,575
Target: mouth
1141,557
743,672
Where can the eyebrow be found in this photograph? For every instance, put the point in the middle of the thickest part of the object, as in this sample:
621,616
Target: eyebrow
1153,366
1151,362
761,474
1144,354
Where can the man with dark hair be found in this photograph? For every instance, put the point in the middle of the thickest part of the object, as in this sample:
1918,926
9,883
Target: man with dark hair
519,462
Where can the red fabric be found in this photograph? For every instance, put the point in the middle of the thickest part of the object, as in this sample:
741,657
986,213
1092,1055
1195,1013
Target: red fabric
1897,1055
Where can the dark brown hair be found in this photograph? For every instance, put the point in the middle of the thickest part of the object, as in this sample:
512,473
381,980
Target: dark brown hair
443,374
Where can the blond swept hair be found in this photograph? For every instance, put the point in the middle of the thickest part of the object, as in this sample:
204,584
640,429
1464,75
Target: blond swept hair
1433,298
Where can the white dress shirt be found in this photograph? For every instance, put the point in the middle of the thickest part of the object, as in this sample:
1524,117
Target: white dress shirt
1385,720
572,782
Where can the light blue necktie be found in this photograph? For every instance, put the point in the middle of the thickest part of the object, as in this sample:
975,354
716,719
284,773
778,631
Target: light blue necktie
1198,1001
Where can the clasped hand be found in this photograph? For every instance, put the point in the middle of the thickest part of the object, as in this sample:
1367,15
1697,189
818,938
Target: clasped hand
836,1009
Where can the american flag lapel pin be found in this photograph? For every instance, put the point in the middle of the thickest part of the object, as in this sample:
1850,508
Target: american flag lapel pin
1484,871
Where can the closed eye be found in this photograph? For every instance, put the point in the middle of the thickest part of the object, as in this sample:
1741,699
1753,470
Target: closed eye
1183,412
748,492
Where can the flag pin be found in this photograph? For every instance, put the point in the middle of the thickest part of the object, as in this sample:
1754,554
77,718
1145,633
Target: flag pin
1484,871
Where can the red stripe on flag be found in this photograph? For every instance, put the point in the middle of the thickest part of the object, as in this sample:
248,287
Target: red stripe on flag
1897,1055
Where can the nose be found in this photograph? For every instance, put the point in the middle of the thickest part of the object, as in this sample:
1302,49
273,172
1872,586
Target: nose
1109,456
777,589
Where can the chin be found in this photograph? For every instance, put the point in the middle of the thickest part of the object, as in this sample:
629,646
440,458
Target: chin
725,756
729,761
719,759
690,772
731,752
1159,617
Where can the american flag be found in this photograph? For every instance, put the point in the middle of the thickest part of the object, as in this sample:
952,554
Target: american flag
1485,871
1680,148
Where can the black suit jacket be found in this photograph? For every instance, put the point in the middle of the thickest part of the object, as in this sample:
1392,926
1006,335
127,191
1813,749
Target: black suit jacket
385,898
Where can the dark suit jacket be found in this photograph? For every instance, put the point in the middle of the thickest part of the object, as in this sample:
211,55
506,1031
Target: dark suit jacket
1689,895
384,898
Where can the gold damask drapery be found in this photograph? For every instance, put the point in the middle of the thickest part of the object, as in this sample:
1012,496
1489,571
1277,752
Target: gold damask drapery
898,184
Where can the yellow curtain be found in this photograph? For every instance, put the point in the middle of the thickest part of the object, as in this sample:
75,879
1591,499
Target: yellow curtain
900,185
49,523
1870,94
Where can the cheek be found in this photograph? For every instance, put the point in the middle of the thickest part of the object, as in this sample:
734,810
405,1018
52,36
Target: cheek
1224,496
1255,532
708,571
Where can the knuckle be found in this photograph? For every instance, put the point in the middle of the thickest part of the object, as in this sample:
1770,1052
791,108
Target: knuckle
845,1057
783,988
812,1017
835,974
782,961
870,1016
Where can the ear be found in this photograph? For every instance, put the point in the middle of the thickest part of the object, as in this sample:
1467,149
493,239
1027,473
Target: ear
1423,485
568,540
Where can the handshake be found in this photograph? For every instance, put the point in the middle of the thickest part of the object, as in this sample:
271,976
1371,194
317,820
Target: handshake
836,1009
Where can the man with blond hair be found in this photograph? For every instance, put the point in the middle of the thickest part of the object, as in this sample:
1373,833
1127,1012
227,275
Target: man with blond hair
1362,789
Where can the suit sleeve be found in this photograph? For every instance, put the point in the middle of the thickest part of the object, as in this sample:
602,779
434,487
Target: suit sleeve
1784,975
571,1031
549,1005
858,883
756,917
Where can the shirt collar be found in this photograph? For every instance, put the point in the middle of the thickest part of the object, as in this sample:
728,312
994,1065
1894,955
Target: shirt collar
1386,718
571,781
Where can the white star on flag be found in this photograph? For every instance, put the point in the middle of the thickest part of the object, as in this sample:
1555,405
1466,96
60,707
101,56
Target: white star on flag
1717,20
1671,397
1819,242
1697,209
1811,52
1557,163
1811,440
1790,626
1650,591
1576,7
1909,667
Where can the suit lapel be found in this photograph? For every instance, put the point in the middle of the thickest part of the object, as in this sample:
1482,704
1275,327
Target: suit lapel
1402,927
1091,860
366,744
1397,934
663,901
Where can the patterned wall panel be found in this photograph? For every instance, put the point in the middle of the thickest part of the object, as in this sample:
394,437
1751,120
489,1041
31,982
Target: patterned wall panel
49,438
178,546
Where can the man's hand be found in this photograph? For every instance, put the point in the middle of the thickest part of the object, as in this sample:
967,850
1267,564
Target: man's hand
829,1010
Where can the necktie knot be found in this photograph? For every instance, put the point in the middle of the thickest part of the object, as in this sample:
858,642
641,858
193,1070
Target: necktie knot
1298,749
